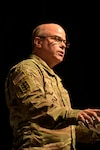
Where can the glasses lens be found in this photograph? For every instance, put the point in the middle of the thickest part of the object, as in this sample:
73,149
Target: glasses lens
57,39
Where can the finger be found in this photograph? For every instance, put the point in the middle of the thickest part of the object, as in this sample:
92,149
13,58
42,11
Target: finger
95,116
88,118
81,118
93,112
86,123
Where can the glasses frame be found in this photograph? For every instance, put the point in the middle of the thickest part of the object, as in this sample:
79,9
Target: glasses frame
57,39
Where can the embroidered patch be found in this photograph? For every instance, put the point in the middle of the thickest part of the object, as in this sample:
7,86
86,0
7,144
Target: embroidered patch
20,76
24,86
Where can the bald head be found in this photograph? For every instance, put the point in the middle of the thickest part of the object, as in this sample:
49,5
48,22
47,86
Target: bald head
49,43
47,29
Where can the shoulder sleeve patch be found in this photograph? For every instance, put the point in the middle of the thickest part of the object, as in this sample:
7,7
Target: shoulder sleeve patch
19,77
23,87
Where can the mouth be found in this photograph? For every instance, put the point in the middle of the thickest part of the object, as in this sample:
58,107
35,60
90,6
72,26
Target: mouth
61,53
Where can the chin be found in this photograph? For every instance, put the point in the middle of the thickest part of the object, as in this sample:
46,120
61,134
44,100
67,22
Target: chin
59,60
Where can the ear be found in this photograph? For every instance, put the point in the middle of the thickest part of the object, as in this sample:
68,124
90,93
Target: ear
38,42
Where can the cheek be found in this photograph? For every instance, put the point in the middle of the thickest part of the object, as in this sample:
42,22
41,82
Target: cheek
50,48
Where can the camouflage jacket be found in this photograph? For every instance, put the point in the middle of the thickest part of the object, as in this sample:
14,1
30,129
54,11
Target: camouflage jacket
39,106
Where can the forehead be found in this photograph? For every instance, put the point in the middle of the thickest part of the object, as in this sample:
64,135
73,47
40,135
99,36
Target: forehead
54,29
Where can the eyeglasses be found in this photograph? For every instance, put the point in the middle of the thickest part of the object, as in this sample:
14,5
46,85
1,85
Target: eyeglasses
57,39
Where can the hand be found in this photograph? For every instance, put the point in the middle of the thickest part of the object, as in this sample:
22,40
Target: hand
87,116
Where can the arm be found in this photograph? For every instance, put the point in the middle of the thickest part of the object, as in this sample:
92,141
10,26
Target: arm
26,88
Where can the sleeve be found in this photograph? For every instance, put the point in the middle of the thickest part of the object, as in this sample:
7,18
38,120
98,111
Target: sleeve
70,116
26,84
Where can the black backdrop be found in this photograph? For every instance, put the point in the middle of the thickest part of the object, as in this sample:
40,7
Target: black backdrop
80,70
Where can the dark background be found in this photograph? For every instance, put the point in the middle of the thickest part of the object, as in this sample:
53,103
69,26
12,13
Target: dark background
80,70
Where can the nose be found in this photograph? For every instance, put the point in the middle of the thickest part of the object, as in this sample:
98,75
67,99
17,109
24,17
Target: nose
63,45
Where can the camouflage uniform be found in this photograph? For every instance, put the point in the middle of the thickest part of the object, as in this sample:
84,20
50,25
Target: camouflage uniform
40,111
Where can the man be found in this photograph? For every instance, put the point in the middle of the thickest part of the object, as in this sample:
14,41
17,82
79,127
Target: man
41,116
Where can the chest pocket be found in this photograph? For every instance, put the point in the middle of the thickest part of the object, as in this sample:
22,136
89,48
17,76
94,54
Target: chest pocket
52,91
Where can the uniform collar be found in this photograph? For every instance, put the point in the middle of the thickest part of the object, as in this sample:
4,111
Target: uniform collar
40,61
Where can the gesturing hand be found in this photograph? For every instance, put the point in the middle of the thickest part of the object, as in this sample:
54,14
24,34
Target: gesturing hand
87,116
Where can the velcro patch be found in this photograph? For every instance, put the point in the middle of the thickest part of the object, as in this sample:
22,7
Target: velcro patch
24,86
20,76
